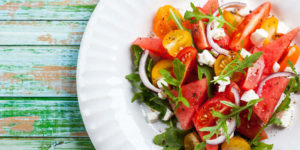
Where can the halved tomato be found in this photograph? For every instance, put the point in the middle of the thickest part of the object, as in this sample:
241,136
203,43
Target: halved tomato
250,128
292,55
271,93
199,35
248,26
176,40
196,94
188,57
204,118
233,18
270,25
162,64
228,92
154,45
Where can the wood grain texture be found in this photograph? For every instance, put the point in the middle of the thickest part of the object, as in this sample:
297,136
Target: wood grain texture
46,144
41,32
45,71
46,10
40,117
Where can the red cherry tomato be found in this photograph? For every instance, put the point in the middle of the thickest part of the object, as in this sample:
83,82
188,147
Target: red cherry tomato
188,57
199,35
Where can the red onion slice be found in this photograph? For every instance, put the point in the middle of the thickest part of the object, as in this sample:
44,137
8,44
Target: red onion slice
274,75
211,42
143,74
232,122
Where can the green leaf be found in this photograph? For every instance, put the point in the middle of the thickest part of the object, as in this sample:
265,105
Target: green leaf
184,101
169,78
149,66
172,138
249,113
137,52
133,77
218,114
274,120
229,104
200,146
178,69
262,146
176,19
209,73
238,120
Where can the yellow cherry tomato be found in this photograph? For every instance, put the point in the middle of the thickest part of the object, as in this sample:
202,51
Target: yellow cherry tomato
191,140
292,55
176,40
162,25
222,61
233,18
162,64
236,143
270,25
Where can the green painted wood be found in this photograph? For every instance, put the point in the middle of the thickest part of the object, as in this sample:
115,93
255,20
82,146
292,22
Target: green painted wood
45,71
40,117
46,144
46,10
41,32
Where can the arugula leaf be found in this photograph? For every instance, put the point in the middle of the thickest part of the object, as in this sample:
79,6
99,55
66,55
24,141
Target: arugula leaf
169,78
172,138
221,123
176,19
137,52
133,77
195,15
200,146
296,87
209,73
262,146
238,66
178,69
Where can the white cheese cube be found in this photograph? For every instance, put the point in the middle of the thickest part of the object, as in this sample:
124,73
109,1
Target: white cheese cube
249,95
161,82
167,115
286,117
276,67
218,34
288,69
152,117
222,84
215,24
162,95
206,58
282,28
258,37
245,53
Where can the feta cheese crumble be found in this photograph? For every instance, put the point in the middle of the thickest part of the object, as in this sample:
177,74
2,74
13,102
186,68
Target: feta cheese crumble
276,67
206,58
286,117
162,95
288,69
167,115
245,53
218,34
152,116
215,24
258,37
249,95
222,84
282,28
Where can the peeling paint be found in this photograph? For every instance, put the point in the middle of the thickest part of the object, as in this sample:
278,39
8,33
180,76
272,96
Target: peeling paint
24,124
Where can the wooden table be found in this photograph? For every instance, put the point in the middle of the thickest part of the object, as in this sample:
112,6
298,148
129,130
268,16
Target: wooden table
39,44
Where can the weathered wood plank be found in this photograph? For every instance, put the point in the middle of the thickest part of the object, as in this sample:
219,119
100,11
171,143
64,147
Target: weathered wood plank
46,144
44,71
39,117
41,32
46,10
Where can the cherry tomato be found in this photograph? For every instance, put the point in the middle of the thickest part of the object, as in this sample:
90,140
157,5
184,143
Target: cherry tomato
188,57
248,26
176,40
154,46
228,92
191,140
293,56
270,25
236,143
162,64
233,18
222,61
199,35
162,25
204,118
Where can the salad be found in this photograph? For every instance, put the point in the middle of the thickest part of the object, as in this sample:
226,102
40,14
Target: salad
216,76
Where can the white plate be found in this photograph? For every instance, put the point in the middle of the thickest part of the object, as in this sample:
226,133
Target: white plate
112,121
